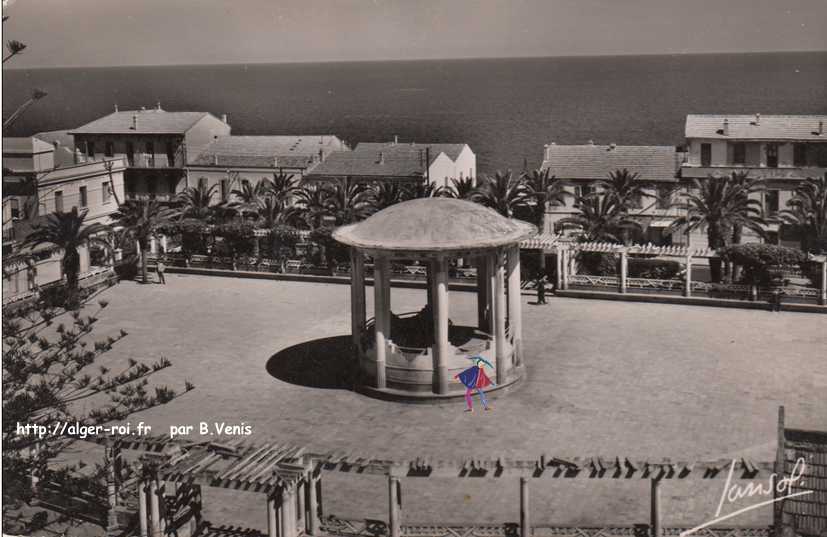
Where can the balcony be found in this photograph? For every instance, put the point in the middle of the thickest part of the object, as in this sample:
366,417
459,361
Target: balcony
158,162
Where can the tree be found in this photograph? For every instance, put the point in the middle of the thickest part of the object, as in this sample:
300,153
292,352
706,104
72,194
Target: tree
249,197
387,193
504,193
311,200
140,218
55,371
196,202
459,189
601,219
349,202
718,205
283,187
808,212
14,48
543,189
624,187
420,189
67,231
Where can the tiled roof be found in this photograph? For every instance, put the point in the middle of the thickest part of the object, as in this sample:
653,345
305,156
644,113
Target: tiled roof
150,121
451,150
757,127
592,162
809,511
26,145
267,151
385,160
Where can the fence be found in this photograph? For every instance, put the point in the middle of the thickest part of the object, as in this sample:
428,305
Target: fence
567,276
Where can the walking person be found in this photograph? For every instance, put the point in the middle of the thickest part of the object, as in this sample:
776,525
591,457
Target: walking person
474,378
541,290
161,268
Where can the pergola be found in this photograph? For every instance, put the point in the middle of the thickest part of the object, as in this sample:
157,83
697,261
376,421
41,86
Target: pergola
417,354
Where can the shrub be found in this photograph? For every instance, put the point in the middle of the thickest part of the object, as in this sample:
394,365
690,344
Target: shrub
657,269
598,263
756,258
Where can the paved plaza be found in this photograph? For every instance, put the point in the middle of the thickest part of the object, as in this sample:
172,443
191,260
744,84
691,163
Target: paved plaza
604,378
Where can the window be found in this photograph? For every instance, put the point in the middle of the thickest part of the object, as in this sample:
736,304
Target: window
84,199
706,155
150,154
771,201
664,193
14,206
130,153
172,185
739,153
150,188
202,183
799,154
170,155
90,149
109,149
772,155
130,190
106,188
59,201
223,190
581,192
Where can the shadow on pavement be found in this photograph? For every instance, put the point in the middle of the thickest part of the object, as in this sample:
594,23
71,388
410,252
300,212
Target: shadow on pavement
319,363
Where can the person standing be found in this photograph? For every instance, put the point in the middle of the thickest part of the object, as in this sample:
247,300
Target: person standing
541,290
161,268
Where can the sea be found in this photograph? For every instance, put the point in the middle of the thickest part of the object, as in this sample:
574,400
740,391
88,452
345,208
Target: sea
505,109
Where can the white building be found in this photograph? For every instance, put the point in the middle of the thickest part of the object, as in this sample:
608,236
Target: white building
780,149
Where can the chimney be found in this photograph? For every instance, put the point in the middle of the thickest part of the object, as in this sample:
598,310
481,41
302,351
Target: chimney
224,118
395,139
612,146
116,107
134,122
757,119
821,127
591,142
158,106
143,109
381,158
726,127
321,155
275,161
215,159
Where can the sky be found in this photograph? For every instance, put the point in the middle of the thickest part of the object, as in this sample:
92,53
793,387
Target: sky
169,32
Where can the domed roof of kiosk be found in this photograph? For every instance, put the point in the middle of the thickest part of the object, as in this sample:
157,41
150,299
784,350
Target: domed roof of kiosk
434,224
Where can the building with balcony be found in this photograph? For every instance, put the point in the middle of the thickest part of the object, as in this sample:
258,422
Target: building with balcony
230,161
157,145
780,149
656,167
399,161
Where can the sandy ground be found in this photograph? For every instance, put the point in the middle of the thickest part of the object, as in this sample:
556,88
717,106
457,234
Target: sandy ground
604,378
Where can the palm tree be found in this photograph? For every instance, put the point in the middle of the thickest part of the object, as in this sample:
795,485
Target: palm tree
348,202
420,189
461,188
504,193
196,202
808,212
718,205
311,200
544,189
66,230
387,193
283,186
747,186
624,187
248,197
139,218
601,218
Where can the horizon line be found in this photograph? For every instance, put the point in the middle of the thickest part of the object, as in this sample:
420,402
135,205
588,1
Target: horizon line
387,60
